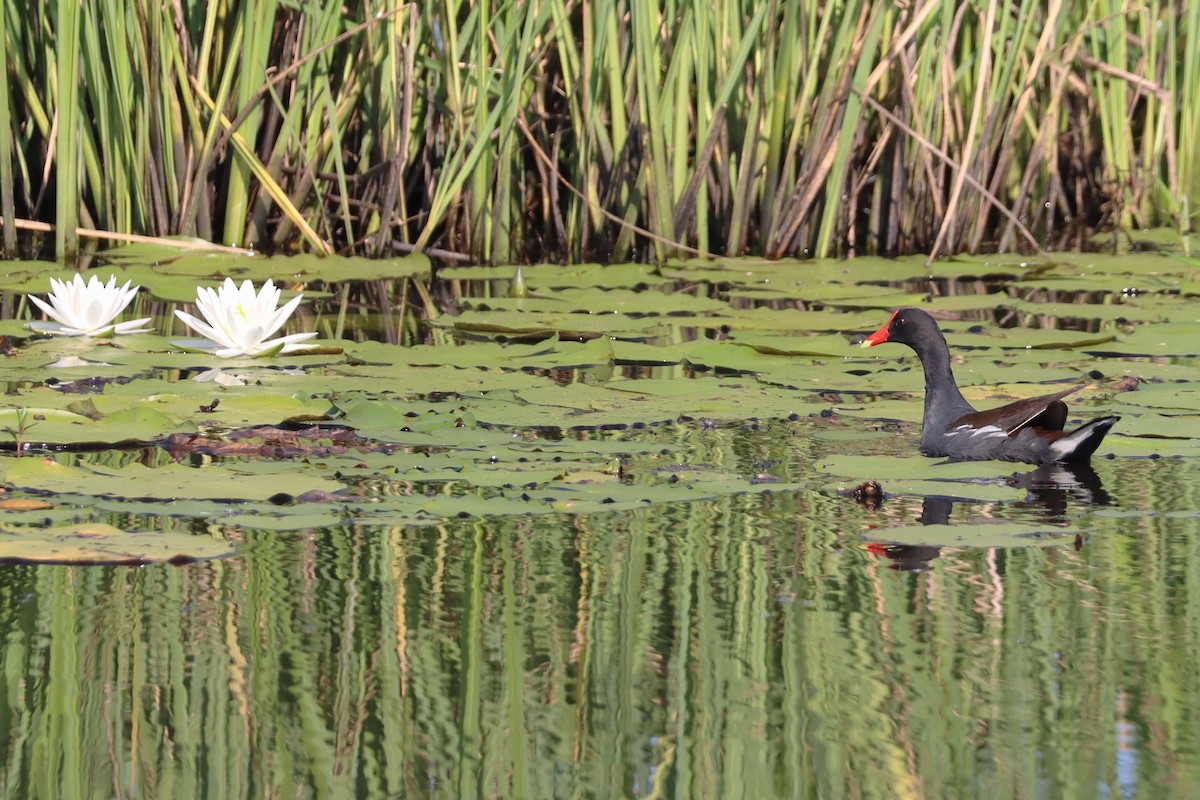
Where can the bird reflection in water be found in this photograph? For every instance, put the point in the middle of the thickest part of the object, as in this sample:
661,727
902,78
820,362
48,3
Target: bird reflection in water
1053,488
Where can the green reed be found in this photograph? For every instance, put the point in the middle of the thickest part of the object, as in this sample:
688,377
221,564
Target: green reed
615,129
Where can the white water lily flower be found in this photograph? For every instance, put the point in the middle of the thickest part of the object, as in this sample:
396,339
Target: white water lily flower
237,322
87,309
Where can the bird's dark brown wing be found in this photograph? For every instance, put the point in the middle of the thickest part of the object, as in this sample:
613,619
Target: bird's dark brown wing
1048,412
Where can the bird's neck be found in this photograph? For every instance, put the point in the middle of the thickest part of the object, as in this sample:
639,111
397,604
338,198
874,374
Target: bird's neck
944,403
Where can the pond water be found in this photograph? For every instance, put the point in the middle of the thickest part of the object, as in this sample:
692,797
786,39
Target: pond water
525,560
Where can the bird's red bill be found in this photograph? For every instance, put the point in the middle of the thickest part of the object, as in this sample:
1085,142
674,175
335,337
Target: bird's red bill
880,336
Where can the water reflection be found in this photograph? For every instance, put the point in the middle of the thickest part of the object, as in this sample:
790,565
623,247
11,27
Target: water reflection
1052,487
1056,491
743,646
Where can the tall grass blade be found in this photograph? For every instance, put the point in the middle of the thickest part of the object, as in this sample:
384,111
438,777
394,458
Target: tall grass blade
257,23
1186,94
68,125
8,215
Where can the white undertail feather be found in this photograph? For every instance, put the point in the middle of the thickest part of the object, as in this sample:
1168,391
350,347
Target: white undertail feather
1065,447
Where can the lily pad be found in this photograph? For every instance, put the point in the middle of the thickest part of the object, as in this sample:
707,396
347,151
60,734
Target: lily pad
594,301
37,427
762,318
976,535
930,469
556,276
231,483
100,543
565,324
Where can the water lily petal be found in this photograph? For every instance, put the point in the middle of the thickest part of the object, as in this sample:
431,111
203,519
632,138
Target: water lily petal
281,316
47,308
93,315
202,328
133,326
118,299
291,342
238,310
224,327
249,338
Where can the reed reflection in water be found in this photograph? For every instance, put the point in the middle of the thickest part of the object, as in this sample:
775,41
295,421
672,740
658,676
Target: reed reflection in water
747,646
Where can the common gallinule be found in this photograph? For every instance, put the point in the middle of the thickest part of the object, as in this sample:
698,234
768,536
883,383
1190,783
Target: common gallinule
1027,430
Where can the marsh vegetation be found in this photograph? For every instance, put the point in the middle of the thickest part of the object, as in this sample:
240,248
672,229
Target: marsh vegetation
611,130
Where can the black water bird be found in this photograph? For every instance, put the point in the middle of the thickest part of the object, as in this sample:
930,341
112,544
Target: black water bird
1028,430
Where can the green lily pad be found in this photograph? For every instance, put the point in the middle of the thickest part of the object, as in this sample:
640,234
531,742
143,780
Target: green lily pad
786,320
1041,339
33,277
976,535
1118,445
471,354
1174,340
1128,310
1160,426
957,490
232,483
100,543
594,301
565,324
926,469
1169,398
50,426
298,267
1107,263
233,409
555,276
827,346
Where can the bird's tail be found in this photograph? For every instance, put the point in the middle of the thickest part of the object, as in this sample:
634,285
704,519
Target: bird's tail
1079,444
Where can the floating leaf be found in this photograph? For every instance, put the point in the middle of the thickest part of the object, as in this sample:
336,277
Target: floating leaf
1160,426
233,483
982,534
100,543
597,302
555,276
566,324
926,469
1172,340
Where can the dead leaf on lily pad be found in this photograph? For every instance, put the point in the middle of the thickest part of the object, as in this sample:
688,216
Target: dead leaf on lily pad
99,543
24,504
